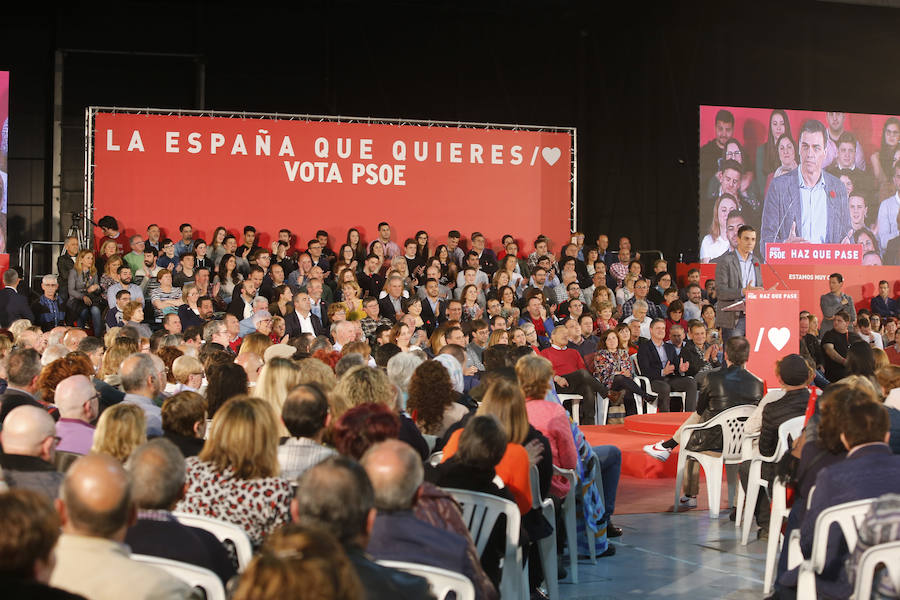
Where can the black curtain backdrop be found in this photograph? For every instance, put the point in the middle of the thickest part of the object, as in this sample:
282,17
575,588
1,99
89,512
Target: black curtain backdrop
630,77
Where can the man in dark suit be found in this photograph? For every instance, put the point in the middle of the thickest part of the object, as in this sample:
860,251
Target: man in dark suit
736,273
65,263
869,471
23,366
340,481
658,361
370,280
13,305
396,473
158,474
807,205
433,308
487,260
391,306
301,320
242,304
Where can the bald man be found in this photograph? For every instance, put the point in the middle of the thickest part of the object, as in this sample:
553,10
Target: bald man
396,473
79,404
95,509
73,336
29,444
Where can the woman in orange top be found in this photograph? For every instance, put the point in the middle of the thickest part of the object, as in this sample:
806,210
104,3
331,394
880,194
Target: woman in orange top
504,401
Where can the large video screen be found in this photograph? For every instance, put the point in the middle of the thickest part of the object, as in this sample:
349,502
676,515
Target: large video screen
4,155
800,177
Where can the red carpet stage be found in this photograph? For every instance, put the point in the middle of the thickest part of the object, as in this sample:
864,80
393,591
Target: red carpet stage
646,485
631,438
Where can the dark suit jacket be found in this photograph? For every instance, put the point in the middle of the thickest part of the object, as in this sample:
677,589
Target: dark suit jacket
399,535
868,472
64,264
13,398
237,305
783,208
383,583
370,284
13,305
886,307
488,262
189,318
728,285
386,309
433,320
651,366
172,540
292,325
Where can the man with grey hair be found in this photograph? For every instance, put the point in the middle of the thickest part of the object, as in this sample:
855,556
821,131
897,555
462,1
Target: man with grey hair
142,380
158,482
49,311
260,305
79,404
23,366
336,495
29,445
13,305
215,332
135,258
344,333
396,473
96,508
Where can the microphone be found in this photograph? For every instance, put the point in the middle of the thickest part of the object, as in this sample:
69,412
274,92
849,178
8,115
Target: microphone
780,280
778,229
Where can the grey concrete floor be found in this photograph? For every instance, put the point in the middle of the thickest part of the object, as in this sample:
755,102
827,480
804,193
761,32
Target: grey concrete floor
671,556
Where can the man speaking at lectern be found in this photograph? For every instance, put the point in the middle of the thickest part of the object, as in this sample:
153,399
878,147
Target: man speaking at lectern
807,205
737,272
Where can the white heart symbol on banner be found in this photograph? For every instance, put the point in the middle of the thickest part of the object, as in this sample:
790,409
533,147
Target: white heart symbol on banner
779,336
551,155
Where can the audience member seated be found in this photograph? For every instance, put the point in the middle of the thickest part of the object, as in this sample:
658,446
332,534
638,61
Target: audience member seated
303,563
143,379
29,443
659,362
157,473
889,381
23,368
79,405
724,389
431,399
869,471
612,367
336,495
120,430
96,509
794,376
305,414
235,476
184,421
570,373
29,530
396,473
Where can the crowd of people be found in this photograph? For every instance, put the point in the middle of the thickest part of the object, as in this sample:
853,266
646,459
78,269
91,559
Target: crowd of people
847,196
304,396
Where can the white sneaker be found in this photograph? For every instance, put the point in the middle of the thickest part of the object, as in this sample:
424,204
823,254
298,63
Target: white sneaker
658,451
689,501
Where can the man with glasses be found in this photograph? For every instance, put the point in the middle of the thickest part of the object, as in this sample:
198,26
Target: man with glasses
143,379
29,445
79,404
48,310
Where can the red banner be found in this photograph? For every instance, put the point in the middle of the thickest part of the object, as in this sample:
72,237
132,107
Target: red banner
772,325
308,175
814,254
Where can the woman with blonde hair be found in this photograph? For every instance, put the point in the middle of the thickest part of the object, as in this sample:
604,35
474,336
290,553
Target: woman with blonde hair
112,360
85,297
107,249
352,304
500,336
301,563
313,370
235,476
255,343
276,379
120,430
110,274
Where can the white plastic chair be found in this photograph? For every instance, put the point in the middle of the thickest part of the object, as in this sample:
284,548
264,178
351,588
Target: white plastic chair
780,512
748,451
576,402
787,432
546,546
848,516
436,458
732,423
568,508
224,531
442,581
644,382
480,511
886,555
192,575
